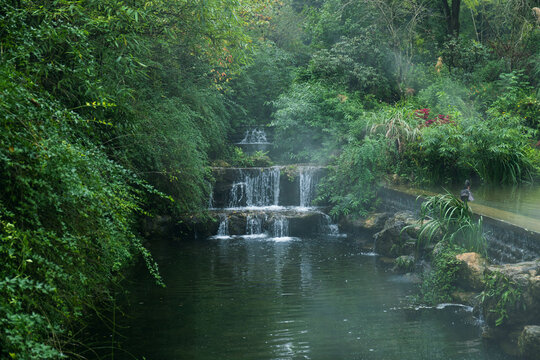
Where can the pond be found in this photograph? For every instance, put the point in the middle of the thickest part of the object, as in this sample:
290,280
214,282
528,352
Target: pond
286,298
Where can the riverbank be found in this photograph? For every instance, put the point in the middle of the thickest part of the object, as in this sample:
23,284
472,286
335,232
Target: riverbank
505,296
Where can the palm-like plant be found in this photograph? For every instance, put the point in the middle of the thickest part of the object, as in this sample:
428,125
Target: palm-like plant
444,217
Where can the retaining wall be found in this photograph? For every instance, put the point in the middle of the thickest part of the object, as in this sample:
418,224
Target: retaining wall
507,242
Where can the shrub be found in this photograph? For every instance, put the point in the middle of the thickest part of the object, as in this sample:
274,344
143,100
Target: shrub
499,149
438,284
351,184
310,121
446,218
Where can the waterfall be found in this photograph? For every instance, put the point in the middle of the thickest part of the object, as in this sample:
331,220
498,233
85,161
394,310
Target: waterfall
254,136
258,187
327,227
281,227
237,194
253,225
211,200
261,204
307,185
223,229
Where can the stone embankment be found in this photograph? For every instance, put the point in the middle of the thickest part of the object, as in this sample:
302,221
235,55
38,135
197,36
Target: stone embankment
506,296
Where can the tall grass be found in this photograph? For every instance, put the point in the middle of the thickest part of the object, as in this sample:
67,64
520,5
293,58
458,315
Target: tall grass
396,124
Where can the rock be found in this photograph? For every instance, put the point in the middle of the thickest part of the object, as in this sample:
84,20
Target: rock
470,275
465,297
524,280
529,342
392,239
375,222
369,225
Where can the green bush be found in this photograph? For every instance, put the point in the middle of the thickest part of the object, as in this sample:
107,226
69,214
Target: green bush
257,159
67,214
501,295
438,284
499,149
310,121
350,187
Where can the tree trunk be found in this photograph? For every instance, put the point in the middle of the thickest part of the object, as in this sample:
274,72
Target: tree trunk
451,13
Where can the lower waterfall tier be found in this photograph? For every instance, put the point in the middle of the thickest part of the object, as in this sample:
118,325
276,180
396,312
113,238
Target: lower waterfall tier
290,222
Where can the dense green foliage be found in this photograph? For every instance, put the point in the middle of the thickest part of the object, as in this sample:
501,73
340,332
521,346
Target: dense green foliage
502,295
438,284
112,111
410,91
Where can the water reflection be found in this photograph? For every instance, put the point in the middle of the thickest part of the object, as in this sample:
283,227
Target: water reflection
297,299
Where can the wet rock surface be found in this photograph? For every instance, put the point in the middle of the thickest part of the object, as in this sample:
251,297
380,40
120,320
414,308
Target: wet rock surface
369,225
523,279
470,275
398,235
529,342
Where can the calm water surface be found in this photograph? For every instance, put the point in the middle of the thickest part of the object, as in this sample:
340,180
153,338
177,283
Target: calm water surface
522,200
267,298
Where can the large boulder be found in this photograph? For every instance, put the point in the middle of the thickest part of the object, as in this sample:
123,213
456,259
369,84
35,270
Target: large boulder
470,275
369,225
398,237
519,281
529,342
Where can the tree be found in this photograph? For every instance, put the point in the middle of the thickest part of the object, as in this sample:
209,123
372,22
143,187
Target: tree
451,13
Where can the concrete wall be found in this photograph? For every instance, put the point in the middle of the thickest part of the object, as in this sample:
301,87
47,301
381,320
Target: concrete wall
507,243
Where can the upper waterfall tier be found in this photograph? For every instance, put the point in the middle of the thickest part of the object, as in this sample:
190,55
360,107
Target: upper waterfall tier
277,186
253,139
255,136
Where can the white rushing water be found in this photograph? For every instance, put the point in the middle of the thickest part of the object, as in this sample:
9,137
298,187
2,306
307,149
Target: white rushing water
254,136
329,228
257,187
254,225
307,185
255,193
281,227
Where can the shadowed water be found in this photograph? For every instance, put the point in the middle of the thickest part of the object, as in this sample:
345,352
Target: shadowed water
287,298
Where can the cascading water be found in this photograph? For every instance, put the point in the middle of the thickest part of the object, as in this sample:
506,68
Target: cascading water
307,185
327,227
254,136
281,227
223,229
257,187
251,199
237,195
254,225
211,200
